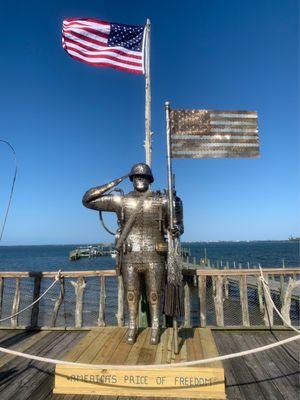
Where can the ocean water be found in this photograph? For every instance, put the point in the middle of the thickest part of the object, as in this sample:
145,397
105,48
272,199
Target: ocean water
52,258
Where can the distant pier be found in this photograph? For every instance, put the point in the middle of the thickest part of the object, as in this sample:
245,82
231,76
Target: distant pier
101,250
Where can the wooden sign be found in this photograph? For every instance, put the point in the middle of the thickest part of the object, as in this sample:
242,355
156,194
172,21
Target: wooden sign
108,346
202,383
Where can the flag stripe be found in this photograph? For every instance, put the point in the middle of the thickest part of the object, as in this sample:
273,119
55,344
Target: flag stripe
231,122
96,54
217,149
205,130
217,146
109,64
236,130
68,36
216,154
229,114
88,37
100,43
104,58
206,138
89,50
87,22
90,32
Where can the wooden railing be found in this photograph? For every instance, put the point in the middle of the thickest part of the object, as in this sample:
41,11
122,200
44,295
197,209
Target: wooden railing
245,279
214,287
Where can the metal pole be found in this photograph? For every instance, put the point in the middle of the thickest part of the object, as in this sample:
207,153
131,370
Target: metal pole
148,145
171,210
169,164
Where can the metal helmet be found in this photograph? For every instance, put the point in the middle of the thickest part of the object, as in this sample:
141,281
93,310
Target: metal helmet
141,169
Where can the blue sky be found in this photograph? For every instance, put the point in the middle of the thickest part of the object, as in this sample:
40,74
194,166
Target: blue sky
74,126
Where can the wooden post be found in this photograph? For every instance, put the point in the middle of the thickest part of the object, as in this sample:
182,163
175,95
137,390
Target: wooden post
226,283
202,299
1,294
226,288
286,307
244,300
58,302
121,300
268,308
281,278
36,306
187,306
102,297
195,280
260,296
218,300
16,304
79,287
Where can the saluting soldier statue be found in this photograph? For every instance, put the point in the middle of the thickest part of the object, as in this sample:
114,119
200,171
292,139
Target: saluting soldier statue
143,218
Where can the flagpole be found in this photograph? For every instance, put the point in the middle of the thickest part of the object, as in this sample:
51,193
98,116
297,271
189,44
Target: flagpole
148,145
171,211
169,165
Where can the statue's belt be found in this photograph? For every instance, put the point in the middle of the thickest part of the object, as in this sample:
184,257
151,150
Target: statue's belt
132,247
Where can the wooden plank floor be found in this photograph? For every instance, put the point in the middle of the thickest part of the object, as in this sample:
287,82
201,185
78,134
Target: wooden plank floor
269,375
108,346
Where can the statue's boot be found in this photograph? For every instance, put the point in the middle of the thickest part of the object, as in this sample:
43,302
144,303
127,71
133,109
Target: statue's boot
154,338
132,301
155,314
131,333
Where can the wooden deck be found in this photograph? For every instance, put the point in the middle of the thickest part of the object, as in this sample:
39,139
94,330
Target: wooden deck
108,346
268,375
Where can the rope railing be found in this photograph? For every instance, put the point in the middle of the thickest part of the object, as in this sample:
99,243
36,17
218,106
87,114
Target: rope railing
56,279
267,292
152,366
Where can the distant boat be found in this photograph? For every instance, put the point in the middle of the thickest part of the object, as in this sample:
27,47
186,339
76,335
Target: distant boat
294,239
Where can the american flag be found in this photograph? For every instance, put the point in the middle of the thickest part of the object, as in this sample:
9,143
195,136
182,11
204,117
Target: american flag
104,44
213,134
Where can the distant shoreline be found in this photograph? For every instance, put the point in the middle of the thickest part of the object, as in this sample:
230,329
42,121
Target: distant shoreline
296,240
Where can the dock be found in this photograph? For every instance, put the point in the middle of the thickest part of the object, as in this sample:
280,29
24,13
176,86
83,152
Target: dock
269,375
101,250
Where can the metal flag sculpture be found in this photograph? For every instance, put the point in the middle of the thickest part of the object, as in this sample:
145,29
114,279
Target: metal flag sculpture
201,134
213,134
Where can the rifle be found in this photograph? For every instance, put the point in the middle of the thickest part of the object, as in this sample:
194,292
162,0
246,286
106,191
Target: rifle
173,286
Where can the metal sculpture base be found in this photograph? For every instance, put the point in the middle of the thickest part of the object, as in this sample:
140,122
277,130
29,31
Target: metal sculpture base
107,346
